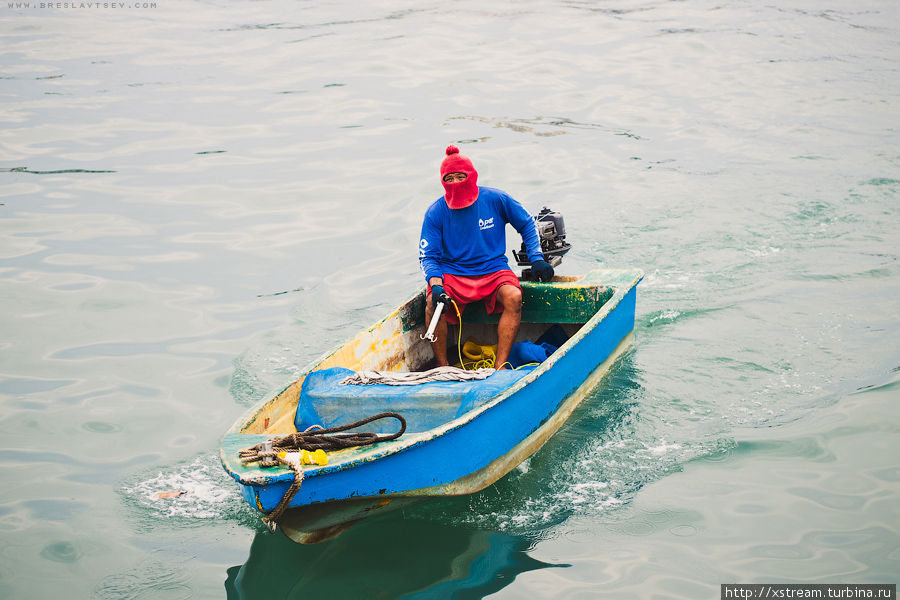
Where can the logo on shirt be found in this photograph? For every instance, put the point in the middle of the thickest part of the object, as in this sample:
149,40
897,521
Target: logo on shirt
485,224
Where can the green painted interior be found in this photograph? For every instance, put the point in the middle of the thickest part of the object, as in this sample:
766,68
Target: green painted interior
544,303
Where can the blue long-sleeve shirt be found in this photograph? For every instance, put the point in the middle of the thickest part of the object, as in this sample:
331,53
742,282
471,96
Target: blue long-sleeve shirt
471,241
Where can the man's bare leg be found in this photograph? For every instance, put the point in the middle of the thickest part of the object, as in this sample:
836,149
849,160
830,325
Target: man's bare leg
439,346
510,297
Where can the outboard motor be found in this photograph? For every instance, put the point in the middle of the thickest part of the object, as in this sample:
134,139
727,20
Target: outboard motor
551,230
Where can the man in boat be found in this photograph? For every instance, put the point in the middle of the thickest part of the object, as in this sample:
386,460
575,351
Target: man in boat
463,253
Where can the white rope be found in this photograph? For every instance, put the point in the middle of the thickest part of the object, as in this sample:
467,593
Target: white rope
415,378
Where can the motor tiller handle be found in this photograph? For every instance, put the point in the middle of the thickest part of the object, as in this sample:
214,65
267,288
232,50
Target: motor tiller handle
429,335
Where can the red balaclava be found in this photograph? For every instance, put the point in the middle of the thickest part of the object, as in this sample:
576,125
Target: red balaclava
463,193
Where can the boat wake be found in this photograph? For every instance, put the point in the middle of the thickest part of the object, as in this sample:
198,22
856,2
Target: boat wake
193,492
590,469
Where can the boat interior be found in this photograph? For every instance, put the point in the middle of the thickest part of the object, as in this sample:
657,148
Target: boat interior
550,315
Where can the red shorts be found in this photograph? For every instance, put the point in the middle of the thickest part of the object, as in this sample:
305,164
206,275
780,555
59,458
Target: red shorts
464,290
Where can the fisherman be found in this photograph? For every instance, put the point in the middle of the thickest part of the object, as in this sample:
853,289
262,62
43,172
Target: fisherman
463,254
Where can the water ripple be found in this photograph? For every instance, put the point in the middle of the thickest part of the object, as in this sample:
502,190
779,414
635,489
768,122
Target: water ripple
168,174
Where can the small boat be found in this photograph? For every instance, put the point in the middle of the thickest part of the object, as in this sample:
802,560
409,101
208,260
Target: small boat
461,436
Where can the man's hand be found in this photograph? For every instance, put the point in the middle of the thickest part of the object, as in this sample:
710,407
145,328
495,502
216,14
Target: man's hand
542,270
439,296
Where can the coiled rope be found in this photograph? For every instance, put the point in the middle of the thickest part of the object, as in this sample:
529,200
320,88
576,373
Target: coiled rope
484,363
273,452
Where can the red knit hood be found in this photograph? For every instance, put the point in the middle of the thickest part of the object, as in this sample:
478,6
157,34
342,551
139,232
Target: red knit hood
463,193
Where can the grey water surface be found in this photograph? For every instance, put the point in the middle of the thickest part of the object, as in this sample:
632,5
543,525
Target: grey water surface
199,197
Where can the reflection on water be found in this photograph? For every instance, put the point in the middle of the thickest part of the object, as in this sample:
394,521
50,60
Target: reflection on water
388,557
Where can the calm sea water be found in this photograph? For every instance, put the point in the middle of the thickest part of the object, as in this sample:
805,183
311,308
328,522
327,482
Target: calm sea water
199,197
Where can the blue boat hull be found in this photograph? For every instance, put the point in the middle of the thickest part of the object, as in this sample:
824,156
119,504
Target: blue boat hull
475,450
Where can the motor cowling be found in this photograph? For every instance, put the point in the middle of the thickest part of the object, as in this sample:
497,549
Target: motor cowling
551,230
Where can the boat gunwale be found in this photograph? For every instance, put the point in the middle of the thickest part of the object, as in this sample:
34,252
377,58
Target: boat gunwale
348,458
